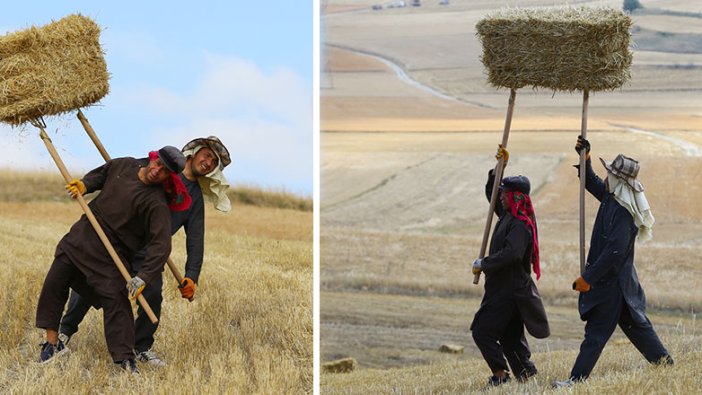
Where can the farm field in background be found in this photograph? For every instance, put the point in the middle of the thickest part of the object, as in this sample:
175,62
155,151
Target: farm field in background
249,329
409,129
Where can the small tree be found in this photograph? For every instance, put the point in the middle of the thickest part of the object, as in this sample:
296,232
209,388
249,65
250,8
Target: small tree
631,5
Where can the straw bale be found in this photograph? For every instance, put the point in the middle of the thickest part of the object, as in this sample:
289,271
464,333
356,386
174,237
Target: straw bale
344,365
451,348
563,49
51,69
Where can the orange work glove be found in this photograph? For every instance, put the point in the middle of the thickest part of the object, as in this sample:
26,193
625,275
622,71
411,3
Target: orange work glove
187,288
502,153
75,187
581,285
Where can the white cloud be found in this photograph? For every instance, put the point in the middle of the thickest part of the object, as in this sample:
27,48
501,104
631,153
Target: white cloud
264,118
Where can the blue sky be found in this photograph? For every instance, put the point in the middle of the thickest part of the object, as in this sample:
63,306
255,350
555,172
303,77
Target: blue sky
241,70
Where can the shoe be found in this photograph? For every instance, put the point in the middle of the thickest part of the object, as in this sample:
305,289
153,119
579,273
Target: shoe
48,351
151,358
665,360
129,365
64,338
494,381
562,384
524,375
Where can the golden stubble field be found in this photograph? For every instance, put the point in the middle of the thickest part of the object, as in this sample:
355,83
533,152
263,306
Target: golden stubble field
409,130
249,329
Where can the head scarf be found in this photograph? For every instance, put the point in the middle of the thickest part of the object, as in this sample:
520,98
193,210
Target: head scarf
176,193
635,203
521,208
214,186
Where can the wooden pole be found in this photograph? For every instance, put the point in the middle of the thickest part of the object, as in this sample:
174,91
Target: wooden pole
583,156
89,129
93,136
499,167
93,221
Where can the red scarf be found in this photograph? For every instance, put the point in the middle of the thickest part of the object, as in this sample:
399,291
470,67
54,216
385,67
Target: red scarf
176,193
522,209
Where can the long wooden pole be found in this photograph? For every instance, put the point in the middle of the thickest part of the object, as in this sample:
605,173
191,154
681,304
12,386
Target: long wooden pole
583,156
499,167
93,221
98,144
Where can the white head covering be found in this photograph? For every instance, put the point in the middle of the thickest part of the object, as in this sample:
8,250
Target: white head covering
214,185
635,203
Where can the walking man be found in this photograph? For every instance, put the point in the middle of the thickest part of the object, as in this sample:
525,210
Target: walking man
511,300
132,209
610,292
205,160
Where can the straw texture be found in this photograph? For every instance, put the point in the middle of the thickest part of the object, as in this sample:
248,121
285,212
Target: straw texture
51,70
563,49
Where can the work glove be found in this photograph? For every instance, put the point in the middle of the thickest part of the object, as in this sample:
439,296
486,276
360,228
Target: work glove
75,188
134,287
502,153
187,288
583,144
581,285
477,266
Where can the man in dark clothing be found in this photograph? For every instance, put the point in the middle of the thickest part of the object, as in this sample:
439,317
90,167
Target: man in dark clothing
511,300
132,209
206,158
610,292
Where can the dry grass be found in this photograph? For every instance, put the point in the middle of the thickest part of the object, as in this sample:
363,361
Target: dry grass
248,331
51,69
620,370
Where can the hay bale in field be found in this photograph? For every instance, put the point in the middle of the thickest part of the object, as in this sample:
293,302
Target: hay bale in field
344,365
51,70
564,49
451,349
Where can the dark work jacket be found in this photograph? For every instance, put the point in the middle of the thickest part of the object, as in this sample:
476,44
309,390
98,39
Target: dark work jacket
507,269
192,221
610,262
133,216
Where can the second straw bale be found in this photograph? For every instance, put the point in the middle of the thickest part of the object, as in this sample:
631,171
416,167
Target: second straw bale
563,49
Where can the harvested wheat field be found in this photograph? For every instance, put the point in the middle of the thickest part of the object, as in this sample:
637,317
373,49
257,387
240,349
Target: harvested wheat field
249,329
409,129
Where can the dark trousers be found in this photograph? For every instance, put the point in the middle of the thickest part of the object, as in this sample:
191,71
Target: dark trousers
498,331
601,322
144,330
117,311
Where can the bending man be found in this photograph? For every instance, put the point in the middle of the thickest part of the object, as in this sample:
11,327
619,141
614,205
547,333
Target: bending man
133,211
205,160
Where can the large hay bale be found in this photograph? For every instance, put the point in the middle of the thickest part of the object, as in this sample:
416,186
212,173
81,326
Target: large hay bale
51,70
344,365
564,49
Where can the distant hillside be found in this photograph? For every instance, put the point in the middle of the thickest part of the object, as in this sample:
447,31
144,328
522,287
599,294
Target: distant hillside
21,186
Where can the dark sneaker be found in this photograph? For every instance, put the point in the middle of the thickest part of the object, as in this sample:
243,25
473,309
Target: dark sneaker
129,365
494,381
665,360
48,351
525,374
